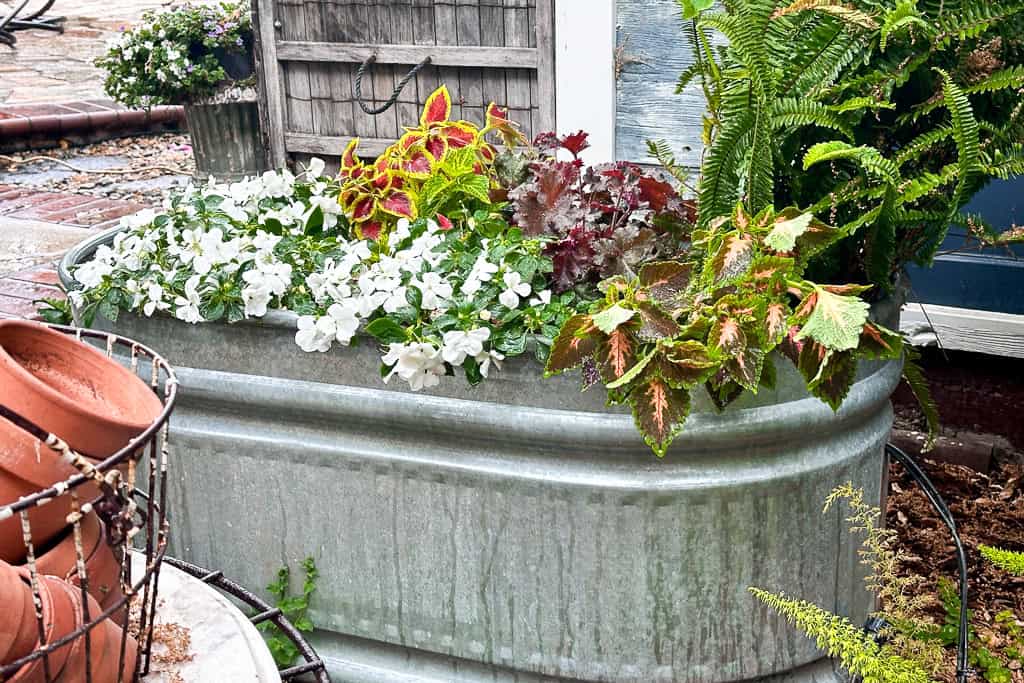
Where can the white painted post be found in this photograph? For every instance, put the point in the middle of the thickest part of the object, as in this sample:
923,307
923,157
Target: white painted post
585,73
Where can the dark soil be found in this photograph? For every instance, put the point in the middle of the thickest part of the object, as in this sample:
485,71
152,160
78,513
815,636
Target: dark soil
989,510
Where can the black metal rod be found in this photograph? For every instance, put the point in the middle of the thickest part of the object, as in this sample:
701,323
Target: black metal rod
963,670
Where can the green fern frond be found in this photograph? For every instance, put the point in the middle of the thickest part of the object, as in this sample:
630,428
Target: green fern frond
718,189
972,20
1006,560
903,15
923,143
858,103
926,183
918,383
689,73
660,151
868,157
880,244
1003,79
792,111
855,650
968,146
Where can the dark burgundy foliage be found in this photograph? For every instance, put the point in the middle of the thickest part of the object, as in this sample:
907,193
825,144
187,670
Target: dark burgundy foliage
603,220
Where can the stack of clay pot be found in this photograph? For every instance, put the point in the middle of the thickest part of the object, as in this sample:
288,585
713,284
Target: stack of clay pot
98,407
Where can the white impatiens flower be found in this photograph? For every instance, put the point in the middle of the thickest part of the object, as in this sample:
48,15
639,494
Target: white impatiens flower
329,207
485,358
315,169
277,184
91,273
188,305
514,289
482,271
459,344
395,299
332,282
542,299
339,325
435,289
418,363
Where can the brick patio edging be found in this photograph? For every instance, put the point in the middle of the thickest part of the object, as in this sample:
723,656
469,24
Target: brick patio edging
30,126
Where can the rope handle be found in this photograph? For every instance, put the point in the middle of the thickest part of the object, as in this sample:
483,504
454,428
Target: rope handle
358,85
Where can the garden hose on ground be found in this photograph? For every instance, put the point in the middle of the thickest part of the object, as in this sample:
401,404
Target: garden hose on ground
963,671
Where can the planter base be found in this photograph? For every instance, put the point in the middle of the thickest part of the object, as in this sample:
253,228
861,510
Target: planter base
356,660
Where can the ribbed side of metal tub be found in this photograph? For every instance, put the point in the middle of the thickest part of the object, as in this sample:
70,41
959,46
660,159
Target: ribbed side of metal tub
518,532
226,140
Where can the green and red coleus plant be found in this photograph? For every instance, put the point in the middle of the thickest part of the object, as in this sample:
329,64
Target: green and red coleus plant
712,318
436,164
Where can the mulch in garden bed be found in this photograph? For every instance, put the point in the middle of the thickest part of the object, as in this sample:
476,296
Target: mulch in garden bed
989,510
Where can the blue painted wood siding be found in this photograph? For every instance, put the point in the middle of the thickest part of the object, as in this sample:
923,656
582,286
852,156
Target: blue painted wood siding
653,49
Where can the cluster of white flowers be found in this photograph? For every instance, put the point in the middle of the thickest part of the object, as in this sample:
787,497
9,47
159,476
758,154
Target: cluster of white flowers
219,238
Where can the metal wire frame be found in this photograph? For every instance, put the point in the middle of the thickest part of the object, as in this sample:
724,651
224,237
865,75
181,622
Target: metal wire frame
264,612
125,510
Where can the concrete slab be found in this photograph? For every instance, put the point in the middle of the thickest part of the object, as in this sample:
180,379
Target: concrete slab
27,243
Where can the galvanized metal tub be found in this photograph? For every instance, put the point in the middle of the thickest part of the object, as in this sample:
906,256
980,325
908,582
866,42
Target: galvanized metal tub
517,531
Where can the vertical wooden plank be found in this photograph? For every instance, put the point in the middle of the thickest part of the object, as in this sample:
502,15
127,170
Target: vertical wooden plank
356,20
339,76
492,32
402,33
446,33
423,34
269,74
296,74
517,81
545,32
323,109
471,87
381,75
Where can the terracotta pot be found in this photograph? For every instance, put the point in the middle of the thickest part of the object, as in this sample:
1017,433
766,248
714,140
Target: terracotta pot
102,564
18,631
72,389
105,665
104,648
27,466
61,613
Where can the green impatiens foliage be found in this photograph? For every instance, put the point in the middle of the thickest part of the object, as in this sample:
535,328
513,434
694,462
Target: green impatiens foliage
1007,560
713,317
854,648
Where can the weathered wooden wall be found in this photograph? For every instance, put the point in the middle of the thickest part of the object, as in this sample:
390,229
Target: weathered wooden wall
653,49
483,50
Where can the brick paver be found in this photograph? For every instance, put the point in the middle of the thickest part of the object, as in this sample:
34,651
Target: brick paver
34,225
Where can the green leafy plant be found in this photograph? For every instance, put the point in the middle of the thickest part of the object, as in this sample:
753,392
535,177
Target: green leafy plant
713,320
855,649
868,113
176,55
1007,560
56,311
989,655
294,608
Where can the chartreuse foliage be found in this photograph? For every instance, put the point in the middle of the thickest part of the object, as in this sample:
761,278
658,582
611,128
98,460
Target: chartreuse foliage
437,166
854,648
900,109
1007,560
712,319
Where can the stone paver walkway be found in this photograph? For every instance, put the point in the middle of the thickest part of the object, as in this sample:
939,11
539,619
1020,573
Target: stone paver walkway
50,67
36,228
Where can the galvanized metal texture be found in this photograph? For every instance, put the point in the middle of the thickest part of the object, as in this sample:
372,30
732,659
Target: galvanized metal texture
517,531
226,140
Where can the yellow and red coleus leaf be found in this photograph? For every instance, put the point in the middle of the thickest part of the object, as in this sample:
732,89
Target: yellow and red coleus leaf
419,164
659,411
498,120
399,203
459,134
576,341
438,107
369,230
880,343
363,207
350,160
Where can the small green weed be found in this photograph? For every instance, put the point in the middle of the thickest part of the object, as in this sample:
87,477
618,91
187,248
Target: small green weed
294,607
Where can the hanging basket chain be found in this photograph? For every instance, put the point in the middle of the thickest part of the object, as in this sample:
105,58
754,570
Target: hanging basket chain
358,85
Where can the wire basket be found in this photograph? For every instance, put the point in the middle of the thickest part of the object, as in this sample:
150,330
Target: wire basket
116,509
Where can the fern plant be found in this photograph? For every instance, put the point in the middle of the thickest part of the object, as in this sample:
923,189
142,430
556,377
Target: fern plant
885,116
